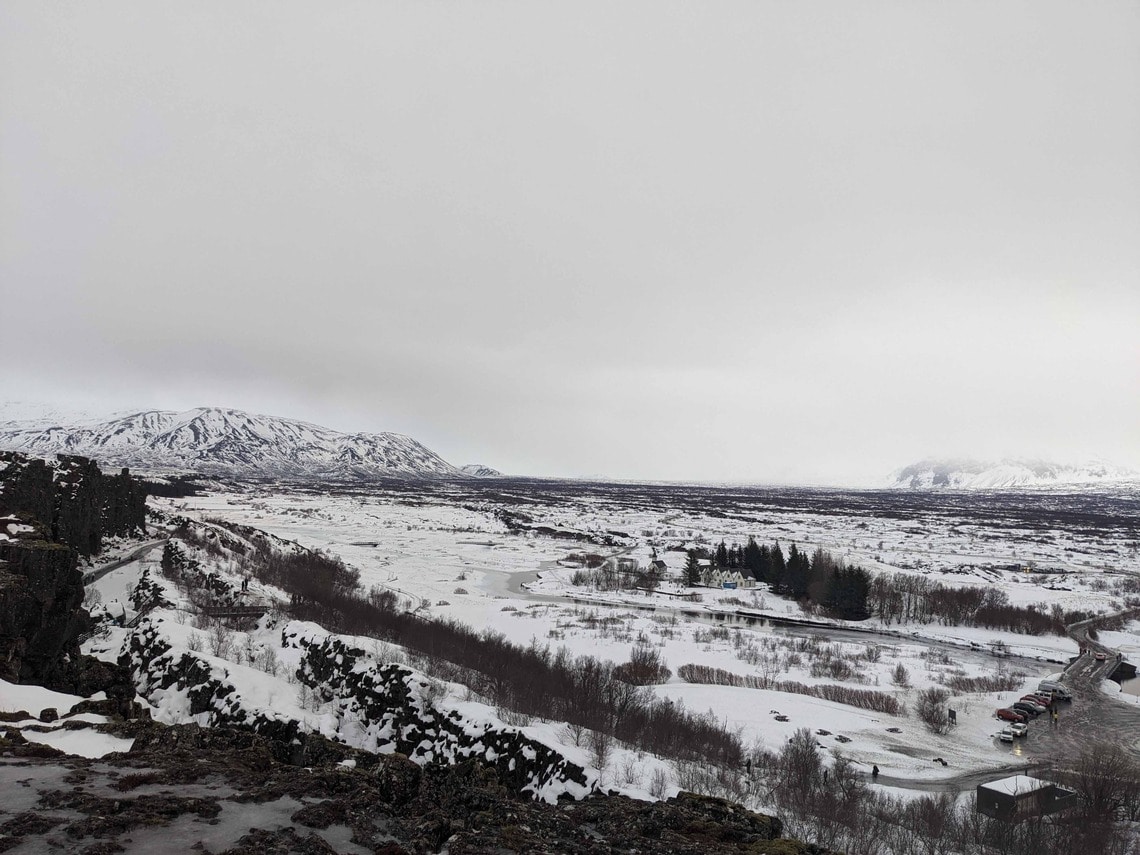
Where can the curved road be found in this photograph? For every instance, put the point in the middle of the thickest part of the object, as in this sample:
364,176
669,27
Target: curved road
134,555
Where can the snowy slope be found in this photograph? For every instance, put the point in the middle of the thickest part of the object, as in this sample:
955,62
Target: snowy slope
25,414
985,475
223,441
478,470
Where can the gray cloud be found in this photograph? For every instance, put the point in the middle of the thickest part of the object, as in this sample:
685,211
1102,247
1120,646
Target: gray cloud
754,241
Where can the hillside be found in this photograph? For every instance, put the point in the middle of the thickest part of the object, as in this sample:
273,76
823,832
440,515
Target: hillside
226,442
478,470
1010,472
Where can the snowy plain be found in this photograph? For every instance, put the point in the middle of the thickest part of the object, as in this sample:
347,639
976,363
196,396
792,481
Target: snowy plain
451,552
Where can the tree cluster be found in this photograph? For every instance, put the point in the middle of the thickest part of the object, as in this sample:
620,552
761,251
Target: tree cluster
867,699
916,599
821,579
851,593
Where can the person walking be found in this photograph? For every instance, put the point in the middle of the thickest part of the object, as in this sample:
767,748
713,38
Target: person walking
874,773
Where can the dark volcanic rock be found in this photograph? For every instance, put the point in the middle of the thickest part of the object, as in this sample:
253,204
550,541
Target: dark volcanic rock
48,516
73,500
41,592
385,804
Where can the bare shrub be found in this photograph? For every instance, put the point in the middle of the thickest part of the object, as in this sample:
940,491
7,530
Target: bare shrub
659,783
1107,779
993,683
267,662
800,760
644,667
194,642
631,771
725,782
221,640
574,732
600,744
867,699
835,669
900,676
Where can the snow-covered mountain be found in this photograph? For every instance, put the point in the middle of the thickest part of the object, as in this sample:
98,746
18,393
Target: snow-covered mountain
1011,472
478,470
222,441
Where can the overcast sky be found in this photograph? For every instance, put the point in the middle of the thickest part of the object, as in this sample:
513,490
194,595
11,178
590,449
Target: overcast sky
754,241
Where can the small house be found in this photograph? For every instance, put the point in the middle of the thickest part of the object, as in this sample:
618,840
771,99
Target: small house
731,579
1021,797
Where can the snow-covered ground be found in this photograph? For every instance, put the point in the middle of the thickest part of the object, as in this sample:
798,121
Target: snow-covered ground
70,733
455,556
257,674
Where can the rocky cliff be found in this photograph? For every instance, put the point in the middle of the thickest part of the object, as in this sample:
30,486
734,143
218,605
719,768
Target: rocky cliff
72,499
49,515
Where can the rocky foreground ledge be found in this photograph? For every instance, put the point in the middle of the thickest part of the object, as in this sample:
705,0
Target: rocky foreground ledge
191,789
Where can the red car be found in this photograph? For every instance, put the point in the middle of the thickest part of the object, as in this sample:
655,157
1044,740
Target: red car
1010,715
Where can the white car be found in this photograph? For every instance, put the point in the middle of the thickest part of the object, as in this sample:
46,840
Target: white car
1006,734
1019,728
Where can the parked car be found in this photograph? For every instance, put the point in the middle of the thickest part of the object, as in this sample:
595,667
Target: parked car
1006,735
1035,698
1019,728
1007,714
1057,689
1032,710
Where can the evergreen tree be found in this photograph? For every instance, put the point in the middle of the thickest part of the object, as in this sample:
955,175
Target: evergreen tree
779,573
750,558
735,557
764,565
722,555
848,588
798,573
692,569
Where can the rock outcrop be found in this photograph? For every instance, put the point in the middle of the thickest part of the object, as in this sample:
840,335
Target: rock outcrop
175,780
72,499
41,592
49,515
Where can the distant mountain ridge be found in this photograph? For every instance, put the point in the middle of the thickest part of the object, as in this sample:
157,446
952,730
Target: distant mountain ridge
1010,472
478,470
227,442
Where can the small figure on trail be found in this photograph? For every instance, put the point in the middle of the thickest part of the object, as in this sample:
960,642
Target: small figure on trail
875,772
1056,716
